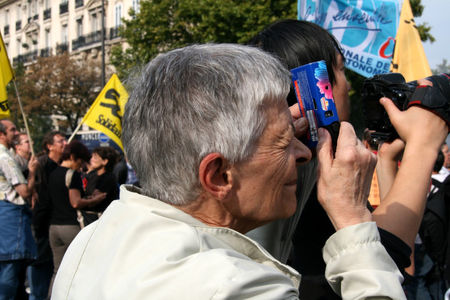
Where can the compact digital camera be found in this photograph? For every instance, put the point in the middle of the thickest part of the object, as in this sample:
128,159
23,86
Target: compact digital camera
315,99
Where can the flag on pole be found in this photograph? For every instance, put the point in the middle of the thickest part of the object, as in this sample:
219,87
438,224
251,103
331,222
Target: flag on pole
366,30
6,74
106,112
409,57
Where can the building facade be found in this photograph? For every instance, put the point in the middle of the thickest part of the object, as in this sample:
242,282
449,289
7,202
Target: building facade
32,28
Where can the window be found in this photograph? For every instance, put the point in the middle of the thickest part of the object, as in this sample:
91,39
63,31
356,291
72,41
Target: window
47,38
18,13
34,7
94,22
6,20
18,47
64,34
29,9
118,18
79,27
136,6
33,41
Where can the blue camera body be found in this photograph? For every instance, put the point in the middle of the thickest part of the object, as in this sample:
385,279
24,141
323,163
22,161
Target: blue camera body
315,99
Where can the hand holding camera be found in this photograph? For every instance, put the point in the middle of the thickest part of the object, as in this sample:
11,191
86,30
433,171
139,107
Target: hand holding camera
434,97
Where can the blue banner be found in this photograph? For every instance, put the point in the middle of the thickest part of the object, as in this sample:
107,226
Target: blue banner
366,29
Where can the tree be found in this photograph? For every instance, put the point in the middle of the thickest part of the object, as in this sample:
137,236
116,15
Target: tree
56,85
162,25
442,68
424,30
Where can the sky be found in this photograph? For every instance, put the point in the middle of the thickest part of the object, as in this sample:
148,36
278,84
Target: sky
436,14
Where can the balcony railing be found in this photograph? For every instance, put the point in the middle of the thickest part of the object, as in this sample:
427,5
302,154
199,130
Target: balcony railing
78,42
46,52
26,58
61,48
94,37
18,25
6,30
63,8
47,13
79,3
89,39
113,33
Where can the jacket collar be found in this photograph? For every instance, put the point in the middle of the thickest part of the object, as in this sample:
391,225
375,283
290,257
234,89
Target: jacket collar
239,242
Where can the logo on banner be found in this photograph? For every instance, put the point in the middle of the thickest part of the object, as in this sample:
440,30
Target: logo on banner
365,30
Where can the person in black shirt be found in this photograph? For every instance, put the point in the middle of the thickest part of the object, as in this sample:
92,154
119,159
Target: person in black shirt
41,270
66,196
101,179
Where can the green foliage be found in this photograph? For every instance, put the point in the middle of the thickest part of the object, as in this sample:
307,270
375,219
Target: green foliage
416,7
162,25
53,86
424,30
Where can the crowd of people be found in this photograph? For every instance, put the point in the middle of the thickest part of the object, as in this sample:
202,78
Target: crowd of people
230,203
47,200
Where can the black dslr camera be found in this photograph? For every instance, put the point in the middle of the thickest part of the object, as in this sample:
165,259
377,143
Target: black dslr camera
403,94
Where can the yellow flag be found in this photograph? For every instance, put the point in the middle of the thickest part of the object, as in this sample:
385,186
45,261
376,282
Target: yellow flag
409,57
6,74
106,112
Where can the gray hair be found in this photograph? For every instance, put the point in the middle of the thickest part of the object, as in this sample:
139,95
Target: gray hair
193,101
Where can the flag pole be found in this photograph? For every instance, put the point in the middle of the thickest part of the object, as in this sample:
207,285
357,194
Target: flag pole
24,117
75,131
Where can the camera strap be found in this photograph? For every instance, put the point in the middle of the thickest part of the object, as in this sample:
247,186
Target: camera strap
432,98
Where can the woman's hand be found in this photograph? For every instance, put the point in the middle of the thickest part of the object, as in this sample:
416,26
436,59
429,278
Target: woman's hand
344,181
300,123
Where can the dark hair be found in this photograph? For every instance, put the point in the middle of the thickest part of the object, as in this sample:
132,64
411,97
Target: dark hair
16,139
371,141
439,162
296,43
48,139
2,126
107,153
77,149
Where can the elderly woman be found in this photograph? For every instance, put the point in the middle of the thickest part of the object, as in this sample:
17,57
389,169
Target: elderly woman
209,133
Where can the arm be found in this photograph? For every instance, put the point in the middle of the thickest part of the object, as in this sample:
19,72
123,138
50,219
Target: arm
403,205
358,266
26,190
387,165
77,202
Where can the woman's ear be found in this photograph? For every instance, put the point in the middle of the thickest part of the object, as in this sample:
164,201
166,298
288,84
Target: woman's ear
215,175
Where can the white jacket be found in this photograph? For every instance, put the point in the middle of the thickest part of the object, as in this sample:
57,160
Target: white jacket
142,248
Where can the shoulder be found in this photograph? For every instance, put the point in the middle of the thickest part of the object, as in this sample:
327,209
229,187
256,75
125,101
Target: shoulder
146,245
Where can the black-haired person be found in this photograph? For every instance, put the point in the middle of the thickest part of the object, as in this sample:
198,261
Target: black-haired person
296,43
66,196
41,270
101,179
